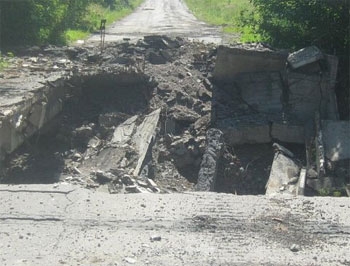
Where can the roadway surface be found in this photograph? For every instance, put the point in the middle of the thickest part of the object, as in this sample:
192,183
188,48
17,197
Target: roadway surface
66,225
161,17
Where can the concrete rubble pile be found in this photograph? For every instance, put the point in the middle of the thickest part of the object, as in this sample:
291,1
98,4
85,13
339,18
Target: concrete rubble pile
286,98
168,115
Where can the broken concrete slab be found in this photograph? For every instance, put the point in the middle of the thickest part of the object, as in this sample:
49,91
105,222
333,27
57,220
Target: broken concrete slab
304,56
286,131
245,130
336,139
208,169
143,137
123,133
332,69
301,182
282,176
232,61
307,94
128,138
262,91
112,119
28,114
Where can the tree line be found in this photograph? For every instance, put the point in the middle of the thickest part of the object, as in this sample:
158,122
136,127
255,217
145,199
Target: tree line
44,21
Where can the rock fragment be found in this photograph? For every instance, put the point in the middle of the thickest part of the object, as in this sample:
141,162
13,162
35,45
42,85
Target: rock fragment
208,169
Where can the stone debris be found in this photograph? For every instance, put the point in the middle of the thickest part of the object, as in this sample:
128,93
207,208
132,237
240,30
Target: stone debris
280,149
166,114
130,260
294,248
208,169
301,182
155,238
284,173
142,139
304,56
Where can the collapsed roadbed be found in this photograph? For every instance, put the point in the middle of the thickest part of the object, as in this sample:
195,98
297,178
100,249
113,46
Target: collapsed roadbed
168,115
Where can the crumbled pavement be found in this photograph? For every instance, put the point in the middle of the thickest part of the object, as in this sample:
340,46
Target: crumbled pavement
101,135
135,120
169,74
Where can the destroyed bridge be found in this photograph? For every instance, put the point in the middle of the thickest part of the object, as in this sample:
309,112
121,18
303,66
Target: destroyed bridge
113,157
166,115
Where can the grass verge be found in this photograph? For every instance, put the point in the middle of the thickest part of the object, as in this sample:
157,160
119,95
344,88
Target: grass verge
3,63
232,15
92,20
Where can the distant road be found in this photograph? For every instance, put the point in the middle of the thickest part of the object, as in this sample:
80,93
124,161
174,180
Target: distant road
170,17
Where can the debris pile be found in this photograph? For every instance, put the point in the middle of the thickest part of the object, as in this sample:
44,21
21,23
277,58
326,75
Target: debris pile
169,115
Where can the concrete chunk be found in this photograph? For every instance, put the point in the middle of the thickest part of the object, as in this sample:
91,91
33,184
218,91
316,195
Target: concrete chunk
143,137
262,91
232,61
301,184
208,170
304,56
287,132
336,139
251,134
282,172
123,132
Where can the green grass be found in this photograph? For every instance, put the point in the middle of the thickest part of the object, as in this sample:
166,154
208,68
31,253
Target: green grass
4,62
74,35
230,14
93,18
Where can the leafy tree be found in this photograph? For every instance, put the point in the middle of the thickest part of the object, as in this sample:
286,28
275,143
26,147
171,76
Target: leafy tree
39,21
44,21
304,22
299,23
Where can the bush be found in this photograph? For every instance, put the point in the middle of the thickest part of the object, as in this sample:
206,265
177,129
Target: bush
299,23
39,21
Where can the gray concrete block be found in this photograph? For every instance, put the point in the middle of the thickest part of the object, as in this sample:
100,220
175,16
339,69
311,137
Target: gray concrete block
307,94
282,171
247,134
208,169
123,133
143,137
332,65
304,56
336,139
232,61
262,91
301,183
288,132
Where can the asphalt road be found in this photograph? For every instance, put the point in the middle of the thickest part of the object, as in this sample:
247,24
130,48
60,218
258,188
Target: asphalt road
161,17
66,225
